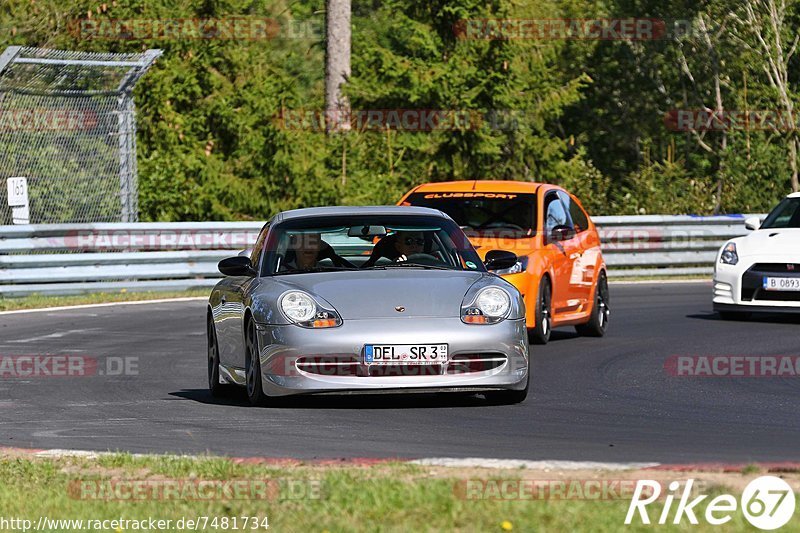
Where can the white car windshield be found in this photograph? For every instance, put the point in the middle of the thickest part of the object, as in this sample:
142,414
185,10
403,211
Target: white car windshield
785,215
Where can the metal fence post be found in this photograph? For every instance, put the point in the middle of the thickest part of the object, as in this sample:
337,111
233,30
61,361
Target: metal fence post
67,124
127,158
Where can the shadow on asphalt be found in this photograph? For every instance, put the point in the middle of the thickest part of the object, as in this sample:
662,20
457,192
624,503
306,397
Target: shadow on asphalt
237,397
562,335
757,317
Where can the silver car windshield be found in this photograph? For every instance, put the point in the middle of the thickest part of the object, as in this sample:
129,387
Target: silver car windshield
330,244
785,215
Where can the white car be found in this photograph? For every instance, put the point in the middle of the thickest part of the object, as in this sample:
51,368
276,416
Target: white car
761,271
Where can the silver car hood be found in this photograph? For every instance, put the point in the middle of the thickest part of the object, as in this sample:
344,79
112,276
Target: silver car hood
380,293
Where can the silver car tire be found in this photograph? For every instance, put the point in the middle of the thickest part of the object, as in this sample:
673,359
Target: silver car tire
252,366
509,397
216,388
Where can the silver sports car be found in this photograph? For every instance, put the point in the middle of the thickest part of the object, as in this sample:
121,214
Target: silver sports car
366,299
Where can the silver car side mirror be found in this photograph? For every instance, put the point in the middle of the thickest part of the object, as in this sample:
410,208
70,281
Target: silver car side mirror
236,266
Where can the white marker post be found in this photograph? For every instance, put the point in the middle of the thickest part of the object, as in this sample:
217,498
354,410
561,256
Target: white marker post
18,200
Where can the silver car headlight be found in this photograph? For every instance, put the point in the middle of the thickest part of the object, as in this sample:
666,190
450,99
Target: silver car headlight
729,255
520,266
302,309
491,305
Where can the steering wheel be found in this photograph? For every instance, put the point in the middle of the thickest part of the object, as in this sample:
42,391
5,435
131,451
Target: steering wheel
423,259
502,225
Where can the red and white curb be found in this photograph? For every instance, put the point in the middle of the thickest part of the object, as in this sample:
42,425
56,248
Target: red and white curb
449,462
517,464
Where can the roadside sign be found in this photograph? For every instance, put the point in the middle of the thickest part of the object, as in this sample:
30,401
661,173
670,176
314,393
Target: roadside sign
20,215
17,192
18,200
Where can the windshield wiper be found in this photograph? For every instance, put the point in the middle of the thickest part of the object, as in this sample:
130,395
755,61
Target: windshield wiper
321,268
500,225
406,265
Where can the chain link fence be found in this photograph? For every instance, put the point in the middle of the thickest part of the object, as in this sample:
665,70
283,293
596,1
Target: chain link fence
67,124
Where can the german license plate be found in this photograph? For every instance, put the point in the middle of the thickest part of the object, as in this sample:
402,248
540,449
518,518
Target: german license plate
405,354
781,284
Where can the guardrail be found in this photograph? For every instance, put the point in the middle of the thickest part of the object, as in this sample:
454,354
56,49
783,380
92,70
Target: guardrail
665,245
75,258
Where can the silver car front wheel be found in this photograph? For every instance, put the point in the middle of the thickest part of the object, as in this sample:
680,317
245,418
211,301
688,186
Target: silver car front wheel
216,388
255,391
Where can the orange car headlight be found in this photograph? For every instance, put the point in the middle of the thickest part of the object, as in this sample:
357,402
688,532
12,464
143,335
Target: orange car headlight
520,266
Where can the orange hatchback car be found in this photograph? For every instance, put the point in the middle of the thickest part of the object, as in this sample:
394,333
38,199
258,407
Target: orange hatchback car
560,269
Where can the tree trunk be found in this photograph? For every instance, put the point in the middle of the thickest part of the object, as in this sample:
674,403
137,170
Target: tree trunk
722,171
793,163
768,23
337,65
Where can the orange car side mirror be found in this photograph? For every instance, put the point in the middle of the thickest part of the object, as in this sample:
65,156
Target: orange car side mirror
560,233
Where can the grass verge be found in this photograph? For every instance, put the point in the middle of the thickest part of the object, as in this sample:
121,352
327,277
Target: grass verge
312,497
36,301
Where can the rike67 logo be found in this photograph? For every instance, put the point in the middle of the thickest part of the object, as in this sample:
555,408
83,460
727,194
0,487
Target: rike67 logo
767,502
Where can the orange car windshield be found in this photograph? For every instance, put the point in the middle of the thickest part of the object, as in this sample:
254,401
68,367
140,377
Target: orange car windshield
484,213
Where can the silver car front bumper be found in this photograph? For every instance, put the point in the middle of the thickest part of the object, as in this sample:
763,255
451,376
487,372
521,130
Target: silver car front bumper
281,346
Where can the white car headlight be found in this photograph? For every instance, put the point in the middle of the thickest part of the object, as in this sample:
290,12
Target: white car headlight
298,306
490,306
729,255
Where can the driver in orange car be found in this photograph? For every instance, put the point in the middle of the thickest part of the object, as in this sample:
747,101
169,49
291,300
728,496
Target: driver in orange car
560,271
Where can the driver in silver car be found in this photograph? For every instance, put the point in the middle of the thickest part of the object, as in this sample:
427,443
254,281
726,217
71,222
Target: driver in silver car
306,250
408,243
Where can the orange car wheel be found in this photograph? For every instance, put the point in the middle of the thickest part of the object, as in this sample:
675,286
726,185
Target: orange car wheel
540,333
598,320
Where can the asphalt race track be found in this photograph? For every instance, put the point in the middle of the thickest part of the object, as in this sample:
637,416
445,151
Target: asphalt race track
605,399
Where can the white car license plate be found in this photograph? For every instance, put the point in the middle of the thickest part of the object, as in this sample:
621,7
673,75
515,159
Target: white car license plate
405,354
781,284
